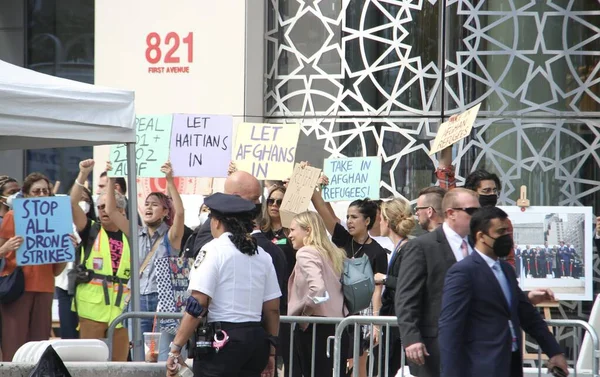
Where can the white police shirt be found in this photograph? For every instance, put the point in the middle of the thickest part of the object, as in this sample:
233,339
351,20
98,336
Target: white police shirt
237,283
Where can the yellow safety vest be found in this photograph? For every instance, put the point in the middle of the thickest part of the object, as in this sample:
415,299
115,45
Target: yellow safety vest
103,298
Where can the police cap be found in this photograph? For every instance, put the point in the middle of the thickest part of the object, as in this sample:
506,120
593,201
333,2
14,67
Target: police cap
228,204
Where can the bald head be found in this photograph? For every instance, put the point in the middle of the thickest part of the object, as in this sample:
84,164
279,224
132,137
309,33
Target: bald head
243,184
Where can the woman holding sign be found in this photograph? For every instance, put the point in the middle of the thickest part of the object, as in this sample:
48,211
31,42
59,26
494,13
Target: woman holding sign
356,241
163,218
29,317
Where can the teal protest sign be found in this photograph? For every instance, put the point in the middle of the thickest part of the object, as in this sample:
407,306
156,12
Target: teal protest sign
45,224
352,178
153,136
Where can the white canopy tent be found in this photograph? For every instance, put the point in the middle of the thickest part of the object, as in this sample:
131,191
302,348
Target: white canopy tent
42,111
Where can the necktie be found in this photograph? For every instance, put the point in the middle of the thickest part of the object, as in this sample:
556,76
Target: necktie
464,248
503,281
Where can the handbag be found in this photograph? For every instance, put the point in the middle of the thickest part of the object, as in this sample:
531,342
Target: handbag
12,286
172,274
358,283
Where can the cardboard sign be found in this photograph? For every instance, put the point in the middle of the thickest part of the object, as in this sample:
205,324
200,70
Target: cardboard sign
451,132
352,178
299,192
45,224
153,133
267,151
201,145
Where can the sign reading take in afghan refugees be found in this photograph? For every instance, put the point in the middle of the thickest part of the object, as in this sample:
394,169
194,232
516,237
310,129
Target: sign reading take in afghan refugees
152,134
452,131
352,178
201,145
267,151
45,224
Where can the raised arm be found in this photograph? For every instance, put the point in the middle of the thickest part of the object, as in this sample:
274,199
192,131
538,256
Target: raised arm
116,216
324,209
176,231
79,217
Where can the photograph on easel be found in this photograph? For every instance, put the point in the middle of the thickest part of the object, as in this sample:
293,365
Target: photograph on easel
553,249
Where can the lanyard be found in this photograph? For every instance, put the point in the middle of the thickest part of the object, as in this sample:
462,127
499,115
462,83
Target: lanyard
361,246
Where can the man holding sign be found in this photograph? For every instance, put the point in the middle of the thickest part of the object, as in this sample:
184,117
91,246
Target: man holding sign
38,249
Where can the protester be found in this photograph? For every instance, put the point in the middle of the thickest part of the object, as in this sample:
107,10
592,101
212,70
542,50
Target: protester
315,290
106,255
29,318
356,241
8,187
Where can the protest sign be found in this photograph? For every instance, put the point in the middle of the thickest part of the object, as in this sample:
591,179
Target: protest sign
451,132
153,133
201,145
298,193
352,178
267,151
45,224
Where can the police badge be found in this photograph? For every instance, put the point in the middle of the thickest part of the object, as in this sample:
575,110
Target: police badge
199,258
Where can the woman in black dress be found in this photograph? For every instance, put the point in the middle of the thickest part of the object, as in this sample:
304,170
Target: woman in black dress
356,241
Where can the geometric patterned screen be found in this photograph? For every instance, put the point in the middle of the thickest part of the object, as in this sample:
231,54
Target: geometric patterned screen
377,77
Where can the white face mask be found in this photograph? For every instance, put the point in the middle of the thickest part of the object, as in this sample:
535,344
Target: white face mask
203,217
85,206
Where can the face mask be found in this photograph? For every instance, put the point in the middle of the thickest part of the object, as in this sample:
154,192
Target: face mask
85,206
203,217
502,246
488,200
9,199
257,209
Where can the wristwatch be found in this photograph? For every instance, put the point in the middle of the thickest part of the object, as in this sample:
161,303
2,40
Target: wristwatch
174,347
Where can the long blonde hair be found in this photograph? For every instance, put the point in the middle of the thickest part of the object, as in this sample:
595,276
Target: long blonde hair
266,225
317,238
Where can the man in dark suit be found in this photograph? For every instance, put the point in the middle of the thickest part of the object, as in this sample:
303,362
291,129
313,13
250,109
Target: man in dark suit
425,261
483,309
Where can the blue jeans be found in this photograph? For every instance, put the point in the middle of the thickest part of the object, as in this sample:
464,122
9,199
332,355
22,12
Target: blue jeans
163,348
68,319
148,303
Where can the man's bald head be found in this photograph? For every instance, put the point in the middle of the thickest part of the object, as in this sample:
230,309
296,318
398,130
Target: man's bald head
243,184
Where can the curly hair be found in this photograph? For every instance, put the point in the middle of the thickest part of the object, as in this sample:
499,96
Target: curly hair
240,227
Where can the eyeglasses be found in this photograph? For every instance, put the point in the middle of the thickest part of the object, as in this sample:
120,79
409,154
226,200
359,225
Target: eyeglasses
470,210
272,202
41,191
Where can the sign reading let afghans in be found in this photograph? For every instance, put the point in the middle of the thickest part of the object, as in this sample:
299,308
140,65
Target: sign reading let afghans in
352,178
201,145
452,131
267,151
45,224
298,193
152,133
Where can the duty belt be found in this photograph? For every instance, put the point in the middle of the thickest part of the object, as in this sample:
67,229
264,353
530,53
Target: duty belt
115,280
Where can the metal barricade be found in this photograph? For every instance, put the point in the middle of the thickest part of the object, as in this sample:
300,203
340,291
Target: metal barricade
341,326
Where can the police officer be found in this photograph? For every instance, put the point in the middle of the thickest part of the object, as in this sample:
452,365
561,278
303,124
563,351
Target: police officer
233,284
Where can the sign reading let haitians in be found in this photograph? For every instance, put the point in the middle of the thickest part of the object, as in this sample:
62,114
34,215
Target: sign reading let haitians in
45,224
152,133
298,193
352,178
452,131
201,145
267,151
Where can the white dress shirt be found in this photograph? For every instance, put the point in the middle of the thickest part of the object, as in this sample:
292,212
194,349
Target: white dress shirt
455,241
237,283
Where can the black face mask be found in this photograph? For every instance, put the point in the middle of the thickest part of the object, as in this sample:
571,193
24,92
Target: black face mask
257,209
502,246
488,200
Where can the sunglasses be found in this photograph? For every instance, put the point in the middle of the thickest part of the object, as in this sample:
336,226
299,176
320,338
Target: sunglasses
424,207
42,191
272,202
470,210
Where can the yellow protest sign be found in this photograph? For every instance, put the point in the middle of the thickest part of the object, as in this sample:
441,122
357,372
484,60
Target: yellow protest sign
267,151
298,193
451,132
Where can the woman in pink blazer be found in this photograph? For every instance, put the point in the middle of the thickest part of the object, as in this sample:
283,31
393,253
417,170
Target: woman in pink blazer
314,289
